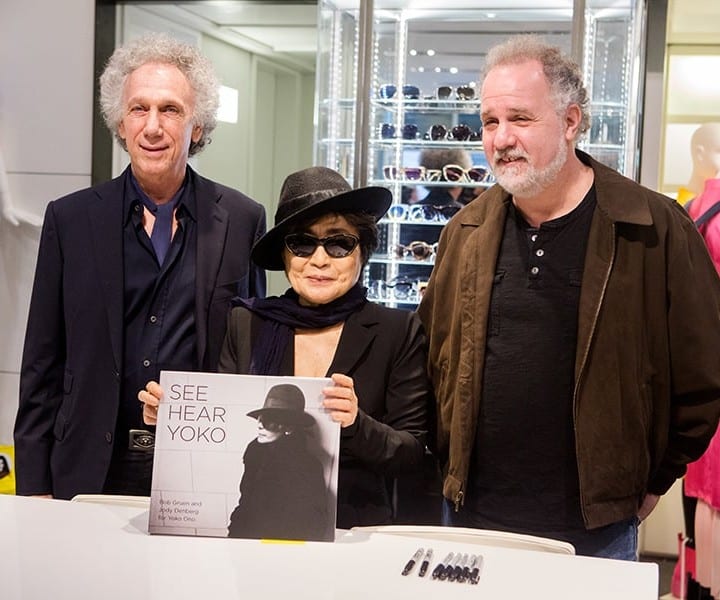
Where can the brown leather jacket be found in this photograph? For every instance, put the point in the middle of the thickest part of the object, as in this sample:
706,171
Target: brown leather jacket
647,367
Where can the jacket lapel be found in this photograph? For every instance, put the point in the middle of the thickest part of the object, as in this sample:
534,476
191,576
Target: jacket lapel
212,231
106,235
358,333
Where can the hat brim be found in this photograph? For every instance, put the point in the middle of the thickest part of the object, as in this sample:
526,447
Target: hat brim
268,250
285,416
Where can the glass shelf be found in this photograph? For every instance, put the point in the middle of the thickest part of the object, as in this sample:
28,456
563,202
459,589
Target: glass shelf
395,143
387,260
429,106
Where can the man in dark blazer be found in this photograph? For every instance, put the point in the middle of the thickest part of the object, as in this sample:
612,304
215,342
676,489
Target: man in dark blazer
133,276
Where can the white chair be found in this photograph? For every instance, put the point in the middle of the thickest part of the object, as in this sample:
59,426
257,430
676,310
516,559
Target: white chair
114,500
469,535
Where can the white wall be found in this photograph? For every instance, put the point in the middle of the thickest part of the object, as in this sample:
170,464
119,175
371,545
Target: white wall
46,95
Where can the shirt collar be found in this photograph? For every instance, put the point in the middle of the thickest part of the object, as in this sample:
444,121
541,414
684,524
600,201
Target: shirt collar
131,196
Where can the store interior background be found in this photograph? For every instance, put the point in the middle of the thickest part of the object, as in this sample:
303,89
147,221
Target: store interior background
52,146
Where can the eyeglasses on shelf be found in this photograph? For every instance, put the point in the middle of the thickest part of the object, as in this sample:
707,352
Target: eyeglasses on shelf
475,174
389,90
421,212
409,131
419,250
401,288
463,92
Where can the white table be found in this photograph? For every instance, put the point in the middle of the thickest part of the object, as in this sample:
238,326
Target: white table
76,551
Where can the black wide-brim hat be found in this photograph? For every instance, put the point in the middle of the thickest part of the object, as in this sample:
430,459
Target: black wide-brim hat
285,404
314,192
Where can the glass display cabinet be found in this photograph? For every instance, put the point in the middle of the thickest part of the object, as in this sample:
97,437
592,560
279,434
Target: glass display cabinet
398,106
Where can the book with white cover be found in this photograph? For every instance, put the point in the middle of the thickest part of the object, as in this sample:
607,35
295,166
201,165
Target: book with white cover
244,456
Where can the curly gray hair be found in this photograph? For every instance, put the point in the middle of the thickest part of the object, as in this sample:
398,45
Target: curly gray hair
161,48
562,73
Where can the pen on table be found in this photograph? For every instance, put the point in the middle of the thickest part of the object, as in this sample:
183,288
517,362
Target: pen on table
411,563
467,569
447,569
464,569
441,566
475,573
425,563
456,568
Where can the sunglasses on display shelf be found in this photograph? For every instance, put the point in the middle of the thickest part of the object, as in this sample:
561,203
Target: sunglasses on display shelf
462,92
419,213
393,173
460,133
409,131
399,288
475,174
441,214
389,90
418,250
336,246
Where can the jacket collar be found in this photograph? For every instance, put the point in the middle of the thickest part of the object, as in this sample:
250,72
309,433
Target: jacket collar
612,194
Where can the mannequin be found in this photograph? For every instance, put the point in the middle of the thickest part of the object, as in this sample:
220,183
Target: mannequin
8,211
701,481
705,152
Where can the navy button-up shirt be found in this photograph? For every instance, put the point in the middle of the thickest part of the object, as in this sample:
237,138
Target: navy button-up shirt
159,305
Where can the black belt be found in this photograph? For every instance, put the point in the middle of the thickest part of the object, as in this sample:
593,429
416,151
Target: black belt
141,440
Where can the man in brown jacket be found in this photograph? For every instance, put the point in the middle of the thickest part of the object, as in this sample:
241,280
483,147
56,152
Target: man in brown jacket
573,319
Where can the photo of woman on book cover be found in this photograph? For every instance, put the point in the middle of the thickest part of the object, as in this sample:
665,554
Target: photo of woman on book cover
283,494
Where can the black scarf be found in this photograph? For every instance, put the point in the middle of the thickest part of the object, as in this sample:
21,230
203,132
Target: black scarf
281,315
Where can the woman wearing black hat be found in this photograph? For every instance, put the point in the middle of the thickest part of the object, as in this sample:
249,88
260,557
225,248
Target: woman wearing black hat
323,236
282,491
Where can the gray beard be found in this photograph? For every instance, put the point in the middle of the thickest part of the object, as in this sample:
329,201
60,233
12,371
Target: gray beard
535,180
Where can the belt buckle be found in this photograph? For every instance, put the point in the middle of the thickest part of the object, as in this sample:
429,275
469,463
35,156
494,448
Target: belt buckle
141,439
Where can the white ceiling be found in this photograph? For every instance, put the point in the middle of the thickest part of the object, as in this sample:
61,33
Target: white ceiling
287,30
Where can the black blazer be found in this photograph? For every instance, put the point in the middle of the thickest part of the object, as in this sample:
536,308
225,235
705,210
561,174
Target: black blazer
72,360
383,350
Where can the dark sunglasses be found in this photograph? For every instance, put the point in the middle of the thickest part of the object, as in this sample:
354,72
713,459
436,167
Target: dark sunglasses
336,246
409,131
460,133
387,91
463,92
270,425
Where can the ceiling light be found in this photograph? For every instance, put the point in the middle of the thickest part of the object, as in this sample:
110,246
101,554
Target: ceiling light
453,70
413,52
438,69
431,52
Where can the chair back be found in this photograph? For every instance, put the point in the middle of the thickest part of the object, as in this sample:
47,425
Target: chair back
470,535
114,499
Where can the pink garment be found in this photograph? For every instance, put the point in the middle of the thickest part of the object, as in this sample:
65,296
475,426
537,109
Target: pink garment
703,476
711,230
